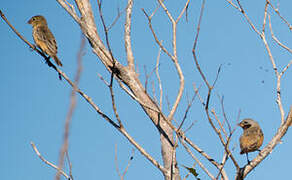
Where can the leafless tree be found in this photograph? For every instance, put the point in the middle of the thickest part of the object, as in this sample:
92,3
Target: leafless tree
170,132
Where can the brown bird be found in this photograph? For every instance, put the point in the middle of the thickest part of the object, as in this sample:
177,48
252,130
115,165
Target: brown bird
252,137
44,38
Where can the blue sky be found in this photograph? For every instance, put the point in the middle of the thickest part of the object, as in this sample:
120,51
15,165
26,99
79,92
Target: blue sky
34,103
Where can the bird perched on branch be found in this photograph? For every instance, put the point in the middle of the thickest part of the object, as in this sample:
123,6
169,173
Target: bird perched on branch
252,137
44,38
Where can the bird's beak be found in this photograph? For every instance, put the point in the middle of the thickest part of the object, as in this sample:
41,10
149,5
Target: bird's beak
29,21
239,124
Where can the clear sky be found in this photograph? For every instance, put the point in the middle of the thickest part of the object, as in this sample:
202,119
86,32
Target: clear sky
34,103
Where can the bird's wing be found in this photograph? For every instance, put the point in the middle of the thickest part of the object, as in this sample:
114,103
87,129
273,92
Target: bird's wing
46,36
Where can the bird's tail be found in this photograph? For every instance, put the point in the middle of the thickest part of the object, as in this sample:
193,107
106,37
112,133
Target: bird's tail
57,60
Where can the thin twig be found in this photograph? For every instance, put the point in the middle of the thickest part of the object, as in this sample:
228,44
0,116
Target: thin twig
285,68
189,172
47,162
188,108
184,10
158,78
154,92
224,114
166,11
72,107
265,18
70,9
129,162
114,63
276,39
155,36
196,159
174,60
195,44
70,166
232,4
116,18
247,18
277,11
220,124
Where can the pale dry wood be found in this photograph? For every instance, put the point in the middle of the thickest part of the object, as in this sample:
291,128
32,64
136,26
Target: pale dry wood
48,162
110,86
276,39
127,36
277,11
128,77
210,89
95,107
138,94
175,59
197,160
219,123
158,78
64,147
128,164
242,173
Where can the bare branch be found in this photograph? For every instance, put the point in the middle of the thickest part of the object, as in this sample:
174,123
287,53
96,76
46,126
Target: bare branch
220,124
155,36
188,108
227,154
203,153
232,4
289,117
277,11
47,162
224,114
129,162
247,18
175,61
154,93
127,36
279,99
265,18
195,44
70,9
263,37
142,151
276,39
70,166
182,12
109,120
65,145
285,68
136,98
166,11
186,176
117,164
114,63
128,92
103,80
158,78
210,88
116,19
197,160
